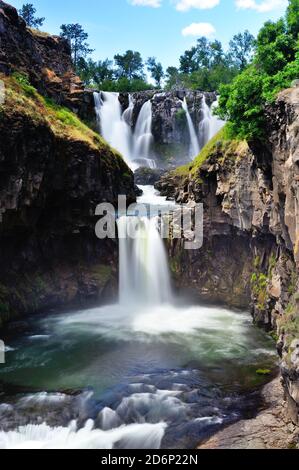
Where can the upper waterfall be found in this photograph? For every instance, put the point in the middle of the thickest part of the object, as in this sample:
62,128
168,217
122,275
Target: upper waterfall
113,126
210,124
143,137
116,127
150,131
194,145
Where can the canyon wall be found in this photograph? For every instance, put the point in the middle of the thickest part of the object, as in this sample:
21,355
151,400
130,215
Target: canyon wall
250,253
54,171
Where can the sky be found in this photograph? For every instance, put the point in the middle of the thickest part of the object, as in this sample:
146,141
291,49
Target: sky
160,28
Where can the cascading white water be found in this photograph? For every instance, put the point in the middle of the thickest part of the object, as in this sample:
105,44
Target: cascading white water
143,132
210,124
143,272
113,127
116,128
128,113
194,144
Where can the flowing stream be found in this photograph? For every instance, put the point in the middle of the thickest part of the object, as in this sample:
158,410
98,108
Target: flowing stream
151,371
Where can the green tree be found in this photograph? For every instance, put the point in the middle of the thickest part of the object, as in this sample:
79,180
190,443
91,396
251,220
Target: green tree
188,61
173,78
293,18
103,71
217,56
241,103
275,66
27,12
156,70
77,38
129,65
204,55
203,52
95,73
86,70
241,49
275,47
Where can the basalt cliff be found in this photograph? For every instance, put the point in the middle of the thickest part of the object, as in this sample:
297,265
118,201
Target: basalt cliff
54,171
249,258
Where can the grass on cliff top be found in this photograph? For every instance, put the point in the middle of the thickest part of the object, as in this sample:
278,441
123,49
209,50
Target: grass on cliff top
23,99
37,32
220,146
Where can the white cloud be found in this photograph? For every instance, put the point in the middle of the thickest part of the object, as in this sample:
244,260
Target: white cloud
260,6
185,5
199,29
146,3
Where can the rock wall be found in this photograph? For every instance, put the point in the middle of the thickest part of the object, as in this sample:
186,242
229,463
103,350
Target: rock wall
45,59
54,171
250,253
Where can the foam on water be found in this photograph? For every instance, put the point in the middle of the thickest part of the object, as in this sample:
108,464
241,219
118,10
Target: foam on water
134,436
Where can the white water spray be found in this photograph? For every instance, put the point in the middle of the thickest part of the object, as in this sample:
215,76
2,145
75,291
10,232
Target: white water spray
194,144
113,127
143,132
210,124
143,272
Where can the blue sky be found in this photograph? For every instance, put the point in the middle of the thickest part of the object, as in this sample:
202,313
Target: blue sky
161,28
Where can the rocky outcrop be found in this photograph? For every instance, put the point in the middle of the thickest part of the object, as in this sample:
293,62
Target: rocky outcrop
45,59
250,253
270,429
147,176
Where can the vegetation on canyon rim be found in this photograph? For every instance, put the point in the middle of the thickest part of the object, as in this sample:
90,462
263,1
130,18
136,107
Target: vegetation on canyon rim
275,65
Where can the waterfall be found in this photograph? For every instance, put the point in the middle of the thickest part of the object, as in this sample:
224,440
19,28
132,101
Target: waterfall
194,144
128,113
143,132
116,128
210,124
143,266
113,126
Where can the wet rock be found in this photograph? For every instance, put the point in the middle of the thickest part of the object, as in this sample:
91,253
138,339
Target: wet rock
268,430
147,176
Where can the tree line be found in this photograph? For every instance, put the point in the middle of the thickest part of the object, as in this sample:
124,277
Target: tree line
274,67
204,66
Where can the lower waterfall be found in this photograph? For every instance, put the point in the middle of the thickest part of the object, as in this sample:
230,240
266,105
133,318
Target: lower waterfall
143,265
